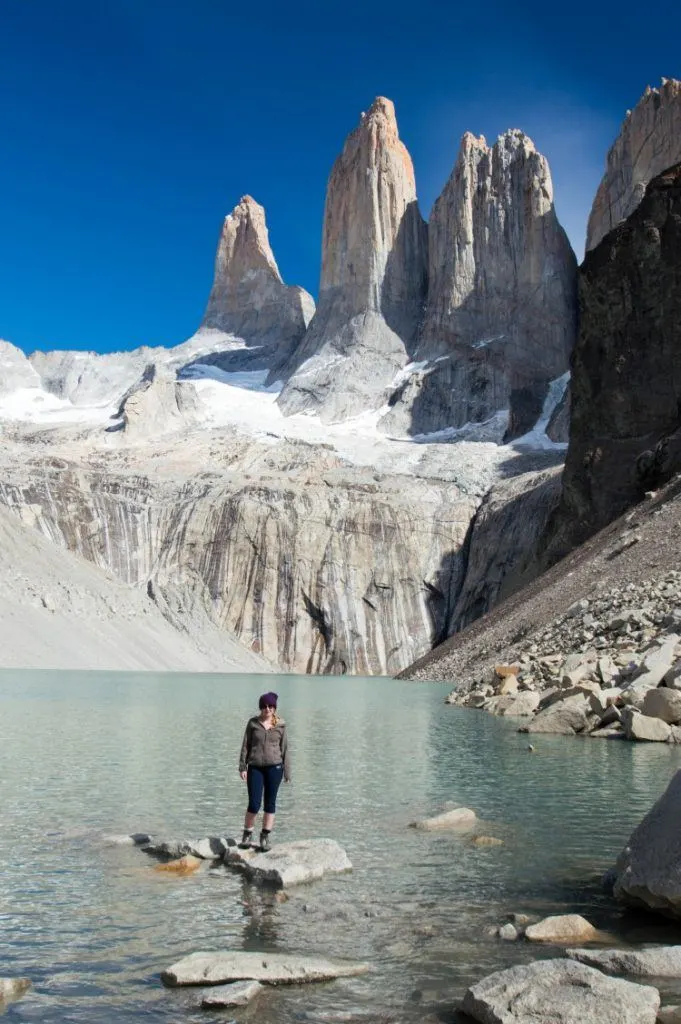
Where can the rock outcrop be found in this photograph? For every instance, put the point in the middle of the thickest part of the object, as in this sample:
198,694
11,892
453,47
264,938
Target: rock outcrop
559,990
373,279
647,871
59,611
319,566
290,864
648,144
16,372
625,435
249,299
268,968
500,318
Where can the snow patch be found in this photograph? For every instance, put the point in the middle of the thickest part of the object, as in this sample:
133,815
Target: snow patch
537,437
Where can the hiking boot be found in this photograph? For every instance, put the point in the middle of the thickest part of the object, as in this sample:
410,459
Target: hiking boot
246,839
265,841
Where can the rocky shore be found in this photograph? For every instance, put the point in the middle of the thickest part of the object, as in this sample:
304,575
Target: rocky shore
610,667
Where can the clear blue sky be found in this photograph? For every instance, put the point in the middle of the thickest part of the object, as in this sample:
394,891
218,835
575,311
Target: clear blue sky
129,128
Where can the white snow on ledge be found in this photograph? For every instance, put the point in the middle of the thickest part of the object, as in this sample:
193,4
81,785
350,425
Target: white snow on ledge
537,437
35,405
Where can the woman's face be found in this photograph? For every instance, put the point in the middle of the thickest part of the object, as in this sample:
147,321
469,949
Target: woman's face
267,712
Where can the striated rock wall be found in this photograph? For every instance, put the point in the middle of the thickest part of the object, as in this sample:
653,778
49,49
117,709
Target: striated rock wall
649,143
373,280
249,299
500,317
319,569
501,547
625,433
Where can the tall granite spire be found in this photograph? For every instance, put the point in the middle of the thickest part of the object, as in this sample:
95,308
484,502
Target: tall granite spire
649,143
373,279
249,299
500,316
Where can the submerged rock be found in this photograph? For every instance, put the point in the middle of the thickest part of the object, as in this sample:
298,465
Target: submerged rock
559,992
238,993
217,968
448,819
12,989
291,863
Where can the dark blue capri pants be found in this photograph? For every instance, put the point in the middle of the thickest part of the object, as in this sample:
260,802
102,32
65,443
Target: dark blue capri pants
267,780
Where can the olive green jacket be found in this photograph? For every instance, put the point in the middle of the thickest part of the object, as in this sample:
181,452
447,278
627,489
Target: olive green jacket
263,747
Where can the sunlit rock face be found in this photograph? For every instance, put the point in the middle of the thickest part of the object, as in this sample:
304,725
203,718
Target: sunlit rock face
249,299
649,142
373,280
500,318
317,566
15,370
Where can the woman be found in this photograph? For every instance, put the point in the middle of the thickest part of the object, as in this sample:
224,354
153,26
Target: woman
264,761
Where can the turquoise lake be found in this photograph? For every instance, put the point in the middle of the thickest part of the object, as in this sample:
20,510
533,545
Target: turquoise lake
84,755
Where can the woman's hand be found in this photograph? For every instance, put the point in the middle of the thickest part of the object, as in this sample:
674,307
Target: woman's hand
244,776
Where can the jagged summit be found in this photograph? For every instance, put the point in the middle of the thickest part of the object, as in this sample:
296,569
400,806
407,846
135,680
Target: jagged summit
243,250
373,279
249,299
500,316
649,143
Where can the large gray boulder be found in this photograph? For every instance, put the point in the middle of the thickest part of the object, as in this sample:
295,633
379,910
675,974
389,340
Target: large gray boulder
291,863
218,968
562,719
559,992
663,703
659,962
638,726
648,871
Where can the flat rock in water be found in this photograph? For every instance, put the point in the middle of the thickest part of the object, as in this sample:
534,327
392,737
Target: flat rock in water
269,968
562,928
239,993
135,839
559,992
291,863
659,962
209,848
448,819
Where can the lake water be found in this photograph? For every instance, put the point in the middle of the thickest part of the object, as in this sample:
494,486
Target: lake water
83,755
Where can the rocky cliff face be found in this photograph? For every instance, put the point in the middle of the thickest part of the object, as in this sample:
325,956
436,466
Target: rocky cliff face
649,143
500,317
15,370
625,434
373,281
249,300
317,565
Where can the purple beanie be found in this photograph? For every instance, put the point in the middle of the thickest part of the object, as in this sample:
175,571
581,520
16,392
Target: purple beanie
268,699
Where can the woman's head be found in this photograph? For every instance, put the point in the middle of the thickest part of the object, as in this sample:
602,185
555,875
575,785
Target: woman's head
268,700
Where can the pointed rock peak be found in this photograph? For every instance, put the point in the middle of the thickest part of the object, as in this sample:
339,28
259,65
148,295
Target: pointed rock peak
514,138
649,143
470,141
381,107
245,244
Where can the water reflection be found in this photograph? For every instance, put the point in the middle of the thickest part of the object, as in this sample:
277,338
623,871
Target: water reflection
87,754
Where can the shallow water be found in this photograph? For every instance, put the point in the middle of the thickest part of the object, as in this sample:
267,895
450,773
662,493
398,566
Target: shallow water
88,754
